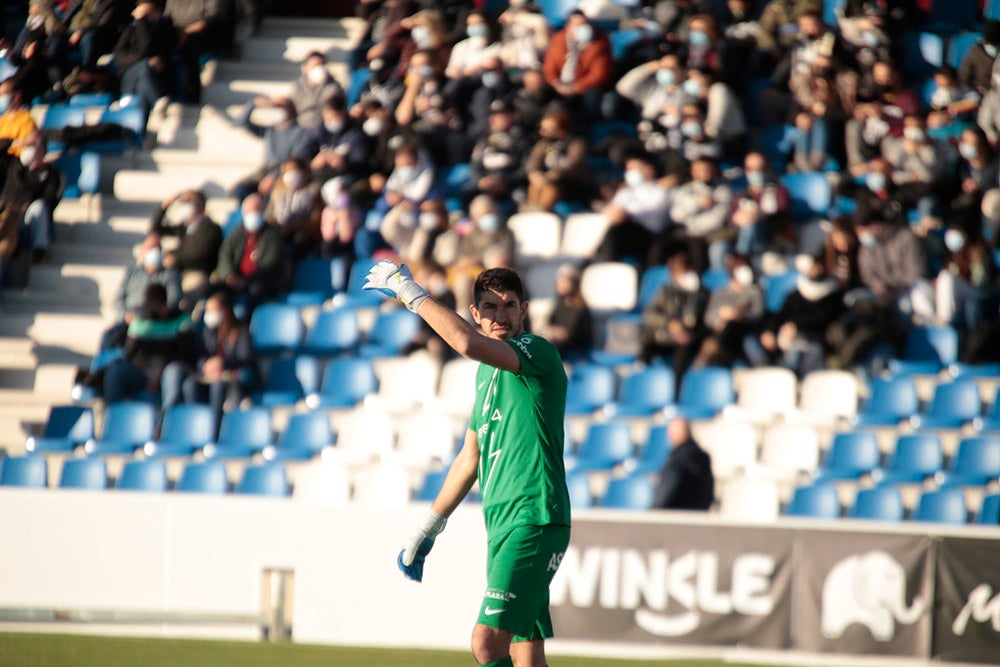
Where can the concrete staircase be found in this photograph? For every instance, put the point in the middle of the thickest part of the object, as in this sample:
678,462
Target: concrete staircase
53,326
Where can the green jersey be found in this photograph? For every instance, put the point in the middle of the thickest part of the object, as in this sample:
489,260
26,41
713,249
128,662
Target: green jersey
519,423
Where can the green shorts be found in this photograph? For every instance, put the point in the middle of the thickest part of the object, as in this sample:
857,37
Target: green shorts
519,567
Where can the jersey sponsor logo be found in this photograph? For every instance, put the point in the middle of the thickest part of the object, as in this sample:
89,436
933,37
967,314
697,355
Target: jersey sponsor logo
498,594
523,343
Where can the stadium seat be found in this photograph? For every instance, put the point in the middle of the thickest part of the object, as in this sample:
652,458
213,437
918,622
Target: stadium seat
27,471
128,426
143,475
653,454
714,278
268,479
453,395
582,234
355,296
922,54
750,499
916,457
359,78
580,497
852,454
89,473
826,396
879,503
288,381
305,436
942,506
644,392
810,194
322,482
425,438
58,116
203,477
346,381
185,428
976,462
590,388
404,382
540,280
363,435
431,486
777,288
953,404
764,393
653,279
704,392
926,350
334,332
537,235
242,433
316,280
607,444
622,39
991,422
91,100
392,331
634,492
382,485
66,427
959,45
989,511
81,174
732,446
789,450
610,287
891,401
963,371
132,119
276,328
819,501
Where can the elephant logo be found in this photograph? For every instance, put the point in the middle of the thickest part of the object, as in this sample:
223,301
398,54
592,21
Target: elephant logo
869,589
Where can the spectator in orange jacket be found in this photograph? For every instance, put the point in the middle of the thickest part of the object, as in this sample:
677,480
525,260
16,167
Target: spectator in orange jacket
578,64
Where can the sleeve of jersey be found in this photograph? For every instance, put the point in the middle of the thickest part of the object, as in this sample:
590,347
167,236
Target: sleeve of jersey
538,356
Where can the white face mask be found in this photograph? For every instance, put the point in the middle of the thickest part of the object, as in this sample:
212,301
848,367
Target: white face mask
954,240
914,134
804,264
281,116
253,221
373,126
334,126
428,220
28,155
184,211
743,275
489,222
688,281
316,75
212,319
634,178
583,33
153,259
292,178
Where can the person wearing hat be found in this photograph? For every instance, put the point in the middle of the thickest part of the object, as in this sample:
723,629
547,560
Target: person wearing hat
498,159
976,69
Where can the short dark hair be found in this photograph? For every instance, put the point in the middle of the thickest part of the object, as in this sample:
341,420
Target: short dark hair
155,293
499,279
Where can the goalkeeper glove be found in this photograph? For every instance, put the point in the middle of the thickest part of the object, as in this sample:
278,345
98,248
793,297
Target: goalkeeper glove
411,557
397,282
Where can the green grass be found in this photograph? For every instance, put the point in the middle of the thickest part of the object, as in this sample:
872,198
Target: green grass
38,650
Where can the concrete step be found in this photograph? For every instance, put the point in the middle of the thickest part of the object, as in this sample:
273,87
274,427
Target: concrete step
269,49
51,333
90,254
213,180
283,26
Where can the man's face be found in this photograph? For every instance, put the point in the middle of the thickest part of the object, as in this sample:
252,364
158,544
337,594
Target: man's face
500,315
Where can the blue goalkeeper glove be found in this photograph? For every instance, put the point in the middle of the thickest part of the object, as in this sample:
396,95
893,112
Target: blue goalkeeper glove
397,282
411,558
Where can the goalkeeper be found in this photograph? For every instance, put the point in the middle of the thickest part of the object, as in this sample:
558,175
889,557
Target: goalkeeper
514,445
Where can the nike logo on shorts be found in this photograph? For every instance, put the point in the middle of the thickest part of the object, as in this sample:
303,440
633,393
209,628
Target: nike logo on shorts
491,612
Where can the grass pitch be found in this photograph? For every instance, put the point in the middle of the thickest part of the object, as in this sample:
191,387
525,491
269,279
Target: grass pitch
42,650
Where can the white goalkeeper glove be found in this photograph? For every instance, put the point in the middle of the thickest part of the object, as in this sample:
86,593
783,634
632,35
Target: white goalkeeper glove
411,558
397,282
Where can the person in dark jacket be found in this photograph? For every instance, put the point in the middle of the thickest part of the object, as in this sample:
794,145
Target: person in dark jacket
686,480
197,252
252,259
142,54
570,325
976,69
29,193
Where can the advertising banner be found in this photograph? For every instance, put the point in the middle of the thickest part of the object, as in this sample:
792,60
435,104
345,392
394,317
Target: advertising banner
682,584
967,613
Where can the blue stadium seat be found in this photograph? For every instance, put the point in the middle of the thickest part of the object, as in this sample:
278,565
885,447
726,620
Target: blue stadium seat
305,435
916,457
810,194
143,475
622,39
133,119
942,506
831,8
346,381
185,428
713,279
242,433
203,477
334,332
704,392
959,45
926,350
359,78
91,100
268,479
89,473
355,295
653,279
880,503
922,54
891,401
315,281
429,488
819,501
127,426
976,462
963,371
989,511
654,453
644,392
634,492
579,491
276,328
953,404
590,388
556,11
289,381
852,454
606,445
777,288
393,330
81,173
26,471
991,422
58,116
67,427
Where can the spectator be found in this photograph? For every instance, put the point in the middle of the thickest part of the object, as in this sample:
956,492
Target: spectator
878,196
724,118
532,100
197,252
409,183
157,335
918,165
557,165
314,88
283,140
578,64
734,313
16,123
761,214
686,481
94,28
840,254
966,281
879,113
893,268
673,321
569,326
143,54
976,68
414,235
498,159
225,366
953,106
424,31
699,209
469,58
978,172
339,221
252,260
493,86
294,208
39,51
778,26
30,193
704,47
657,88
988,117
338,144
524,35
424,110
202,27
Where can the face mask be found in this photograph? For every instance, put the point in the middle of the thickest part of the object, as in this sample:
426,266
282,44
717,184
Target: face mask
692,87
968,151
914,134
184,211
28,155
253,221
755,178
406,173
698,38
421,36
489,222
334,126
212,319
153,259
316,75
867,239
281,117
875,181
870,38
954,240
583,33
477,30
691,129
743,275
689,281
634,178
804,264
373,127
4,103
665,77
429,220
670,119
293,178
991,50
491,79
426,71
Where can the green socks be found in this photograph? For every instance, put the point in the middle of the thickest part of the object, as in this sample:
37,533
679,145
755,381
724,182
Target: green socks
506,662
